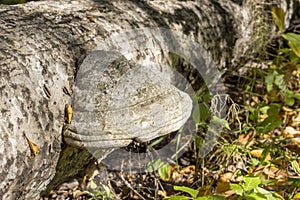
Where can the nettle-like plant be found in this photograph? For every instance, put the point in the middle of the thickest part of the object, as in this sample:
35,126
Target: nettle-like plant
285,63
250,189
292,38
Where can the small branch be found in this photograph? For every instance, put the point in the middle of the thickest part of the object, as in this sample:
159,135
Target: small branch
127,183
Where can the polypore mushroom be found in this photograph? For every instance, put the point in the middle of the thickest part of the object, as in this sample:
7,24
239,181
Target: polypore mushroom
116,101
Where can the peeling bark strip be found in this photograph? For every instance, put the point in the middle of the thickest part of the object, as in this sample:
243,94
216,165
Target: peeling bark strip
41,43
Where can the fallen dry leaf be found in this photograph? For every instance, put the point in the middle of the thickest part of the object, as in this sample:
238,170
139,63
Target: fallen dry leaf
292,134
257,153
91,18
226,177
246,139
162,193
77,194
224,189
255,99
68,113
33,147
275,173
188,170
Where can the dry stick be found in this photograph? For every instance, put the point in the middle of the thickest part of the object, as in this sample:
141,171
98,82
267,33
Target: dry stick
108,183
112,190
156,190
128,184
202,175
157,183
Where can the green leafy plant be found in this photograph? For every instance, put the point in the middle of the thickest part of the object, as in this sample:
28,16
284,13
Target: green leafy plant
292,38
269,123
249,189
163,168
202,112
272,121
99,192
193,195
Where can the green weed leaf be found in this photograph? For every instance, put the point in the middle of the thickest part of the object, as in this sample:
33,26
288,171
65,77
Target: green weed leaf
269,82
297,96
278,15
215,197
274,109
237,188
293,41
220,122
279,81
251,182
177,198
188,190
163,172
267,194
269,124
202,198
256,196
297,195
163,168
289,101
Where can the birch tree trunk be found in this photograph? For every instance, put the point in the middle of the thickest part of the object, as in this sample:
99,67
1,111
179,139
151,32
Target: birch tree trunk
42,44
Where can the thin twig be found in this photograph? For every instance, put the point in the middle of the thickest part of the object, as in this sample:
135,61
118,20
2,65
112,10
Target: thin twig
112,190
127,183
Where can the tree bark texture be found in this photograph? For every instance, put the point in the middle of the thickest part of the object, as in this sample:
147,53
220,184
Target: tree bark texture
42,43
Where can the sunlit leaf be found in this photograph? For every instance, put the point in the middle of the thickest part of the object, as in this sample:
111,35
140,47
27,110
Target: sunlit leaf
251,182
278,15
297,96
256,196
177,198
293,41
264,109
220,122
188,190
267,194
237,188
297,195
279,81
215,197
289,101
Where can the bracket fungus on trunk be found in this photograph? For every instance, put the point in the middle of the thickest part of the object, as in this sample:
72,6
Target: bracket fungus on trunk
116,101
